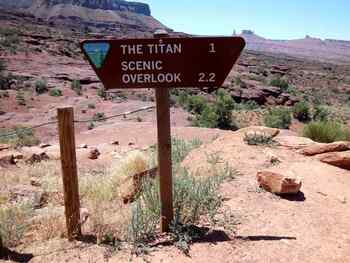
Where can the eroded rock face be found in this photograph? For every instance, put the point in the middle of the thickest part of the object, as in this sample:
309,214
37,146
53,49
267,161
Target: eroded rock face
118,5
339,159
325,148
279,183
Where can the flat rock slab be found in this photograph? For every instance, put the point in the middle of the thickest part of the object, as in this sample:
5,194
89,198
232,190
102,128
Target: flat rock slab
325,148
339,159
261,130
294,142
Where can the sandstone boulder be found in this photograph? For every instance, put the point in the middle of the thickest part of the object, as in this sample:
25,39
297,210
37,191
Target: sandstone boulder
325,148
294,142
279,183
339,159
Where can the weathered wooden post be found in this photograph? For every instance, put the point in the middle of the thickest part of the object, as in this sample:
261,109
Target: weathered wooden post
164,152
69,171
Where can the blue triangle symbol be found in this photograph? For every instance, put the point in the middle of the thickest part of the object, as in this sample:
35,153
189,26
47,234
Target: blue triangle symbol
97,52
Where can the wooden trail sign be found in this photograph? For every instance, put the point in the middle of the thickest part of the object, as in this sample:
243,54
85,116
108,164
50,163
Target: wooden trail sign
163,63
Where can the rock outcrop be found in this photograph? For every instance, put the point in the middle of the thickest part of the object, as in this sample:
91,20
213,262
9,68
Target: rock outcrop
339,159
325,148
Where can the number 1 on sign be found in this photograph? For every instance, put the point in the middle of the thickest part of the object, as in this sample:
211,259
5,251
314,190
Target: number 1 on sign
212,48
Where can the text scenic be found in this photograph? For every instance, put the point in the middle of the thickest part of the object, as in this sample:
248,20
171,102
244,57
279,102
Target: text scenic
138,71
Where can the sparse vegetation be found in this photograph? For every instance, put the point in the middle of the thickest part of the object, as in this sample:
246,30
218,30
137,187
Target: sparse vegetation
320,113
278,118
280,83
13,223
326,131
41,86
20,98
76,86
301,111
102,93
258,139
55,92
20,136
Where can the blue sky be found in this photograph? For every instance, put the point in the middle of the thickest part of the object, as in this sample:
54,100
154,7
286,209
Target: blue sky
276,19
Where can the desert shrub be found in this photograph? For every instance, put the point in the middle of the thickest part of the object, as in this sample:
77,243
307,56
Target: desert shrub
55,92
98,116
41,86
249,105
20,98
195,104
280,83
181,97
301,111
13,223
326,131
20,136
208,118
219,114
320,113
278,118
76,86
258,139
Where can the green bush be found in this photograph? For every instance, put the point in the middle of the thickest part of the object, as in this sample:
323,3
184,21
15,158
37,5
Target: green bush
55,92
195,104
76,86
219,114
321,113
9,39
278,118
280,83
24,136
301,111
41,86
326,131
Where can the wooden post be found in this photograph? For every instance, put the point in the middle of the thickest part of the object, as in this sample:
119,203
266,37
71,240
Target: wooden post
164,158
69,171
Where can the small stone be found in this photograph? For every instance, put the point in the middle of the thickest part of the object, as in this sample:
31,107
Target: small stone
83,146
84,215
37,158
115,143
94,154
35,182
279,183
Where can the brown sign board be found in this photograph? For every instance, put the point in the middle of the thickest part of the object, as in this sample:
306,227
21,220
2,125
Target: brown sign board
163,62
